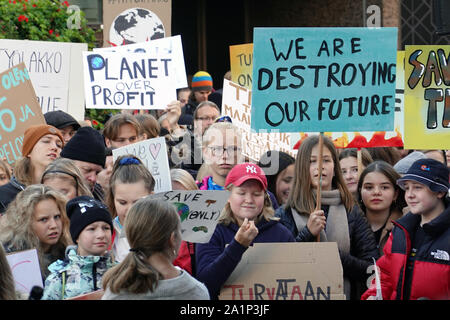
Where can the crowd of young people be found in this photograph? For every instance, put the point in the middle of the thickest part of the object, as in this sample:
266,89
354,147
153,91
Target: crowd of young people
95,230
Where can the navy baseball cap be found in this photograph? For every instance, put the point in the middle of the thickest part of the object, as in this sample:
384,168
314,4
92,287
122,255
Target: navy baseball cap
430,172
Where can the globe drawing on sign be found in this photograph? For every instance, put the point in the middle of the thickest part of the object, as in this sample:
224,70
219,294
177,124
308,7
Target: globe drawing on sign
182,210
135,25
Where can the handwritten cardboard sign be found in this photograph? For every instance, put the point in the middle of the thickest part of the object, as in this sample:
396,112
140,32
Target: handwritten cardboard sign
25,270
135,21
370,139
287,271
427,97
153,154
199,211
241,64
19,109
141,76
164,48
324,79
54,71
236,103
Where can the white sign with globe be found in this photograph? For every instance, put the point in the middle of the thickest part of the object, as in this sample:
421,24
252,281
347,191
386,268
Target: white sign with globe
135,25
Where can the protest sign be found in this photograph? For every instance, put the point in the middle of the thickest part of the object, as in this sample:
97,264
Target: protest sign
236,103
324,79
287,271
19,109
54,72
25,270
153,154
370,139
199,211
142,80
127,22
164,48
241,64
427,97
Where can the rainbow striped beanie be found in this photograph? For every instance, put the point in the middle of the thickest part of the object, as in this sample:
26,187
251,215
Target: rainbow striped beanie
202,81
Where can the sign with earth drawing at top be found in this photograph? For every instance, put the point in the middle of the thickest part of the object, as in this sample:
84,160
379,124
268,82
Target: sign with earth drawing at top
135,25
127,23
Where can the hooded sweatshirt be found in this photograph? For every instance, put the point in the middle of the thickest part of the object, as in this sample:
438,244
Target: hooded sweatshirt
218,258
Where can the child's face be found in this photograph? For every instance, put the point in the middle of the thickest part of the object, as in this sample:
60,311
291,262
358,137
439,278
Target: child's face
46,223
284,184
327,168
63,185
125,195
95,239
247,200
377,192
127,135
419,198
349,167
223,153
46,150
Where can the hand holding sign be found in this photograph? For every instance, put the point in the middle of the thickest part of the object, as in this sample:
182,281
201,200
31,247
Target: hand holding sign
316,222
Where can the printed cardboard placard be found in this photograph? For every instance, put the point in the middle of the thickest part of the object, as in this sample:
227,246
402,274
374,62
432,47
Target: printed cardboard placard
199,211
54,71
427,97
126,22
236,103
241,64
19,109
324,79
25,270
370,139
153,154
169,48
287,271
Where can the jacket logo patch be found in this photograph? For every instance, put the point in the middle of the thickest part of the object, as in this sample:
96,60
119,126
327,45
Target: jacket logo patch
441,255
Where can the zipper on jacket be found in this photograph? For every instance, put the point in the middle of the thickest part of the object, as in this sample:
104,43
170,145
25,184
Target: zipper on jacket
405,262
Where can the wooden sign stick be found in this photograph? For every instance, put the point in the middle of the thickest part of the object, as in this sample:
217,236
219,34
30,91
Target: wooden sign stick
359,160
319,186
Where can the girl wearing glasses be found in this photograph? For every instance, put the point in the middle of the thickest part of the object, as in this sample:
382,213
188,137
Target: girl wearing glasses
221,152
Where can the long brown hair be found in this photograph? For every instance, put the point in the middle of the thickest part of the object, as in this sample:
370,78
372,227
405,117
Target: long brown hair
302,197
148,227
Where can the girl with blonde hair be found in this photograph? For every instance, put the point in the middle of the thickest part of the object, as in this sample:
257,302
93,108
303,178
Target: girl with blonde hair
221,152
153,229
248,217
37,219
64,176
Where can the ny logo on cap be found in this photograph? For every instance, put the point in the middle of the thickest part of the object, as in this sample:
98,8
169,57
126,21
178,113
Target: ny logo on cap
251,169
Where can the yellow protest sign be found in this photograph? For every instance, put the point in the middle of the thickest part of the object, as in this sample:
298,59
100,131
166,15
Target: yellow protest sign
241,64
427,97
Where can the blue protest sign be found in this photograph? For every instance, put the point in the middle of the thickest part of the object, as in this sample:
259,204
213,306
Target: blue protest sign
324,79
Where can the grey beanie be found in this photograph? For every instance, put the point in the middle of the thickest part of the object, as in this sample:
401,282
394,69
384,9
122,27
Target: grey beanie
404,164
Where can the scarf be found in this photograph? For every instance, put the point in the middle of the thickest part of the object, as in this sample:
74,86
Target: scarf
336,229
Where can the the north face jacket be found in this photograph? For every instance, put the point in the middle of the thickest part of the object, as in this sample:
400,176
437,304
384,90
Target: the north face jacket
431,269
75,275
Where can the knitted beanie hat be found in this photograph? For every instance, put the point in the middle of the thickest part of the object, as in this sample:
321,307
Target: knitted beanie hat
34,133
84,210
202,81
86,145
60,119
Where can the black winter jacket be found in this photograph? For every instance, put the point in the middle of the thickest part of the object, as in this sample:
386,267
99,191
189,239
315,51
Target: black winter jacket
8,193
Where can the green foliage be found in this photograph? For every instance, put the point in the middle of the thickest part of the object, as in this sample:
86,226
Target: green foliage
99,117
44,20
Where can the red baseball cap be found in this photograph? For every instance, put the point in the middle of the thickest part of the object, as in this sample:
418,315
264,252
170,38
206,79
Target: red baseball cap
243,172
